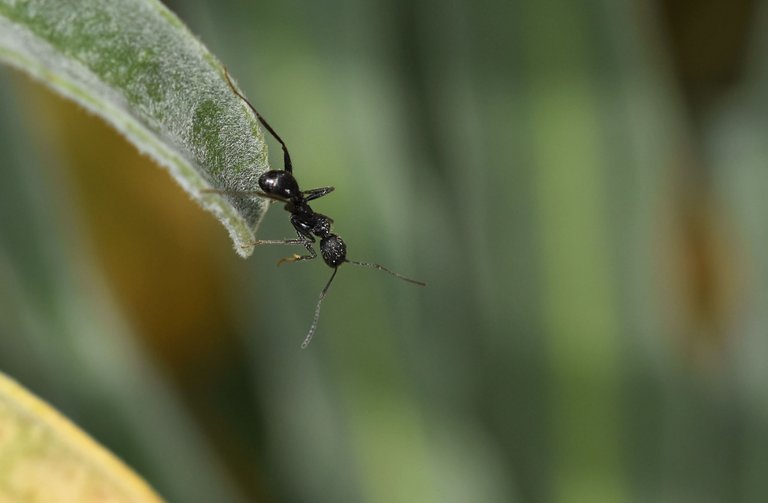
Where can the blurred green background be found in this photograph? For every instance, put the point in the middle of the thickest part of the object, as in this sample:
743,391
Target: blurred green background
581,184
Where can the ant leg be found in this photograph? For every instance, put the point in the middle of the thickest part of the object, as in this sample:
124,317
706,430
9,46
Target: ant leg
297,258
315,193
277,242
274,242
287,165
303,239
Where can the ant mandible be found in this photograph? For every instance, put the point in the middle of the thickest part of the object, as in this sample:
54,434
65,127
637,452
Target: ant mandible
280,185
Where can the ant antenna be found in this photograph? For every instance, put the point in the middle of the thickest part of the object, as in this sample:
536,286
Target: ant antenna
312,329
287,164
382,268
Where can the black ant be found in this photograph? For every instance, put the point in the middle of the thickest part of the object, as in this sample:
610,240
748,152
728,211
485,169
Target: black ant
280,185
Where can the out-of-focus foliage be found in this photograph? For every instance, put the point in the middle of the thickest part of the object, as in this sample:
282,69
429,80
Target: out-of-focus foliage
584,204
45,458
60,332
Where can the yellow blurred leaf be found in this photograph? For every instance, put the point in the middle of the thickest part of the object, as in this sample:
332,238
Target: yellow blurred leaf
46,458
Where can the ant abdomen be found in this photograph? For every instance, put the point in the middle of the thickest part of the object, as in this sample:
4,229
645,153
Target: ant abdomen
279,183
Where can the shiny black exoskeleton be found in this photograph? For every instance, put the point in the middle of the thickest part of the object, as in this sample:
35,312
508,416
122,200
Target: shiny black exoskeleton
281,185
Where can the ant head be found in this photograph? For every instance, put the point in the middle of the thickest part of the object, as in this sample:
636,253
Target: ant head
334,250
279,183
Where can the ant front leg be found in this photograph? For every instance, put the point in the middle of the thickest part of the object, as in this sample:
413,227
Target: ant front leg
296,257
301,240
278,242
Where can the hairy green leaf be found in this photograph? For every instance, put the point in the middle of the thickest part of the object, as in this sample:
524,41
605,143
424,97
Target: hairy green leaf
133,63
